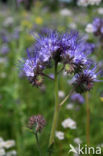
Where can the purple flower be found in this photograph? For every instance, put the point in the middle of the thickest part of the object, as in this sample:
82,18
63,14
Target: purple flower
15,34
75,51
4,49
68,49
98,26
47,46
4,36
51,75
69,42
76,97
84,80
29,67
32,68
30,64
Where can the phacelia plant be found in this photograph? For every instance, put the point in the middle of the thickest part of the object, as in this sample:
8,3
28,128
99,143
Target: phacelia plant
50,50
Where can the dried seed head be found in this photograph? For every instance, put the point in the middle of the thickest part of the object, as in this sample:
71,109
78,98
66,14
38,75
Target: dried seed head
37,123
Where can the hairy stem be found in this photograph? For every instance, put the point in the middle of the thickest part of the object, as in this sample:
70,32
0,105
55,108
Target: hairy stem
38,145
66,98
87,120
56,111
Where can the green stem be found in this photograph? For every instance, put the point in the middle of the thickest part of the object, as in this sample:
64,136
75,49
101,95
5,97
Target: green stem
37,141
66,98
87,120
47,76
56,111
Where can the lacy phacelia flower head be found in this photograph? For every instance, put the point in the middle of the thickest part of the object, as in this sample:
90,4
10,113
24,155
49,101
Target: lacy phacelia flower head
68,44
36,123
47,46
75,52
76,97
32,68
29,67
84,81
67,49
80,59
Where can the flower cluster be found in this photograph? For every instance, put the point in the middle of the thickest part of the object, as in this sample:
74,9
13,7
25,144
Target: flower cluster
85,3
69,123
59,135
37,123
5,146
84,80
68,49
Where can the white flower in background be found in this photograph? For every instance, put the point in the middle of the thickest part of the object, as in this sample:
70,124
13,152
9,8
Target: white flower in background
100,11
89,28
100,145
69,123
77,141
3,75
1,139
72,25
94,2
1,143
61,94
3,60
66,12
6,145
8,21
11,153
2,152
9,144
69,106
59,135
85,3
64,73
